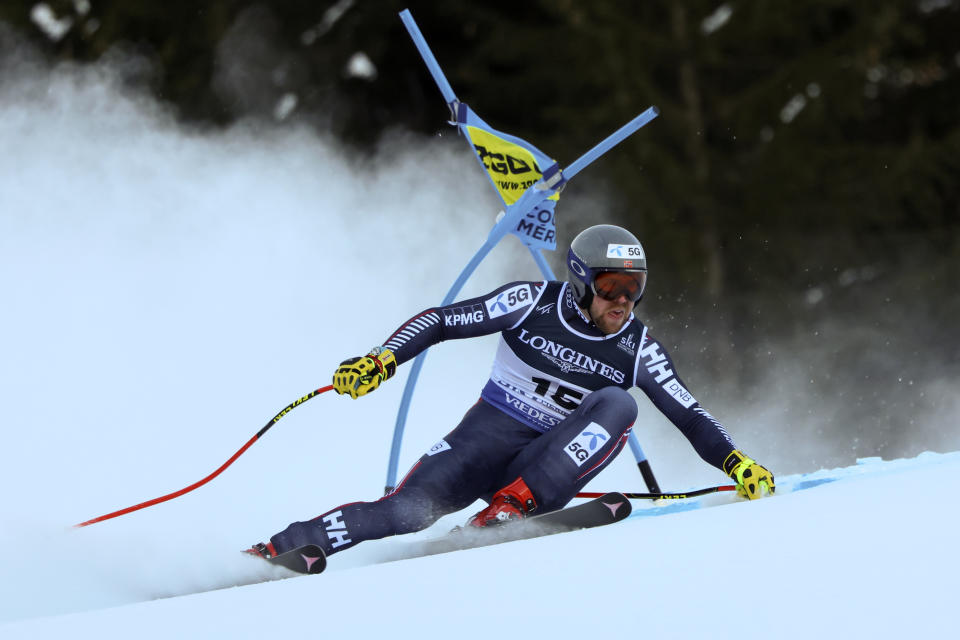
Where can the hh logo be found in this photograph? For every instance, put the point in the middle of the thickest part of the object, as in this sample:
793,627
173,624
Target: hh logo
587,443
336,529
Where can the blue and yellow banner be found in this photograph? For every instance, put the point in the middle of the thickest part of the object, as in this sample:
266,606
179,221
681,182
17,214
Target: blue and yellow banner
513,166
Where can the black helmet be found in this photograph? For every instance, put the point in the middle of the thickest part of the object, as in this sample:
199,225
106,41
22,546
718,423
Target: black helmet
603,249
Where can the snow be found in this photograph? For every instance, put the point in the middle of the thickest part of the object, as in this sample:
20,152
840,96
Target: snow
870,554
166,291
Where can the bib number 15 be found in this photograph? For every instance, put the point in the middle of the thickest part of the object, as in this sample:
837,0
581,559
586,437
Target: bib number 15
564,396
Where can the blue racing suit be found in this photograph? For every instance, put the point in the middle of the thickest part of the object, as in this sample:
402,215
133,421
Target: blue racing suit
555,412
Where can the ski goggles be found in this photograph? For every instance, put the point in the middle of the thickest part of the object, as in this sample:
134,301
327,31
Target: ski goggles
610,285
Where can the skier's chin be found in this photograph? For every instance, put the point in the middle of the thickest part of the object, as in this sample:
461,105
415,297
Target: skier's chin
611,322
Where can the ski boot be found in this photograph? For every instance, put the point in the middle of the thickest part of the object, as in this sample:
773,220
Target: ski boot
263,550
513,502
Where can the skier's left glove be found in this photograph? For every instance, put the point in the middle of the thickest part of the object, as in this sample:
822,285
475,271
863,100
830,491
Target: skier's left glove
360,376
753,481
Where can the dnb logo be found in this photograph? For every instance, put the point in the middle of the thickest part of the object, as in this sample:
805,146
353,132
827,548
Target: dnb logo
587,443
505,302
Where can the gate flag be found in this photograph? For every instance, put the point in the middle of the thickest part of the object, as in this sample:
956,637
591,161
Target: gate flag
513,166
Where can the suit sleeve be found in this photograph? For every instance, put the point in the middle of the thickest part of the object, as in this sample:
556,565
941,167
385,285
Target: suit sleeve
500,309
657,377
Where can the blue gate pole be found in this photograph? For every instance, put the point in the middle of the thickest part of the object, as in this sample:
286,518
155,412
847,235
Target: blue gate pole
530,198
534,195
418,365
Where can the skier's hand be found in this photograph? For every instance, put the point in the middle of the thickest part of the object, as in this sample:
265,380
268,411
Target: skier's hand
753,481
360,376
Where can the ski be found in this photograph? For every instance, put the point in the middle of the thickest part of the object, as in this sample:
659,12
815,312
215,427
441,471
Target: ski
607,509
307,559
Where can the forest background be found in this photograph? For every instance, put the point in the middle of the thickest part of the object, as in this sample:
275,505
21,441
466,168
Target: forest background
798,197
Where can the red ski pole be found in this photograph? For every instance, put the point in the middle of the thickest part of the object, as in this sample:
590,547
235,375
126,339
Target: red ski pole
170,496
664,496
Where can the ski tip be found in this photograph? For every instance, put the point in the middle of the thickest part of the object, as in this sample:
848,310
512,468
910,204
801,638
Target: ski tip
310,562
619,505
308,559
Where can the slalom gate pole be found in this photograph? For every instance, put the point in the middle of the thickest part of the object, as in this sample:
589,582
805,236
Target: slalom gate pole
552,181
646,471
170,496
663,496
512,214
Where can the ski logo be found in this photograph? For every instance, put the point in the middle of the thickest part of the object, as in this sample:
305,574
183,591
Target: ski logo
587,443
613,507
309,560
628,344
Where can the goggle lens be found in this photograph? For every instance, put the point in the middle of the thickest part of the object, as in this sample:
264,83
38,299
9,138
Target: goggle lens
610,285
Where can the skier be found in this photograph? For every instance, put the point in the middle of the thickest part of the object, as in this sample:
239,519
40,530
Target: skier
554,412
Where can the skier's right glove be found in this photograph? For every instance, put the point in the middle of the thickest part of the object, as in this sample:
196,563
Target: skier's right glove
360,376
753,481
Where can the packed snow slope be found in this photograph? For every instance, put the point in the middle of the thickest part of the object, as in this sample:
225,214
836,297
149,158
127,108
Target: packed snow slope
868,553
166,291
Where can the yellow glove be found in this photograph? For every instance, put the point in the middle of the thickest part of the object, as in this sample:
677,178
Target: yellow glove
753,481
360,376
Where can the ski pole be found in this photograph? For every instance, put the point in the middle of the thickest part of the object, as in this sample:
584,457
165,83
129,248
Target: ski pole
664,496
170,496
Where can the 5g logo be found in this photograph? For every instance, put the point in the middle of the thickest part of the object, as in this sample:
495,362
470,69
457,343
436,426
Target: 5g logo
509,300
576,451
625,251
587,443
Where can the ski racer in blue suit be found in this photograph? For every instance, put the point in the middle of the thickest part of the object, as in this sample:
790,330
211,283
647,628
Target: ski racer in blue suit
554,412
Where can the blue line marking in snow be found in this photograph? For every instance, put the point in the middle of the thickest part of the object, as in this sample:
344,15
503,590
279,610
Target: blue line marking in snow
808,484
